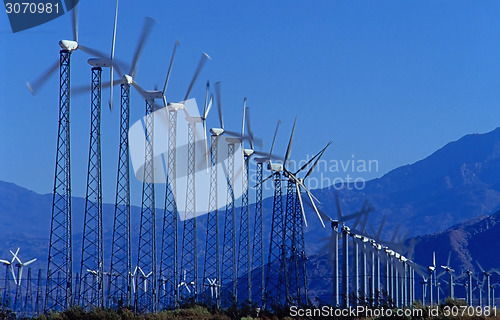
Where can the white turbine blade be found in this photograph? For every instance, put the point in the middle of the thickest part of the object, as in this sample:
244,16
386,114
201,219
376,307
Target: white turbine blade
86,88
205,105
243,121
307,190
250,132
289,148
204,58
74,20
13,273
40,81
301,203
20,275
30,262
339,207
320,154
112,58
146,30
274,138
206,142
140,90
262,182
309,194
177,43
5,262
15,255
219,104
210,103
93,52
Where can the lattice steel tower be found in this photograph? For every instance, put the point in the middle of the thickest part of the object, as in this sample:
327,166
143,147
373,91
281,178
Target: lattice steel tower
229,267
211,270
169,274
189,259
92,244
146,296
120,285
59,267
275,266
258,240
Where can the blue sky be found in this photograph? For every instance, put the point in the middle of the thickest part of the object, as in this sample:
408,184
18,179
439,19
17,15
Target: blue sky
386,80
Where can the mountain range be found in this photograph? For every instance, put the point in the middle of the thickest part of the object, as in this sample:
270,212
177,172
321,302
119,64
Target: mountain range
443,202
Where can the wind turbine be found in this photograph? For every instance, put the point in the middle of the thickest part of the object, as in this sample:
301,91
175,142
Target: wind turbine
20,265
450,271
60,245
432,270
258,243
487,277
9,264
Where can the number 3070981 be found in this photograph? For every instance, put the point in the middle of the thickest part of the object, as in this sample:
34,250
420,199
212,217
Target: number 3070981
31,7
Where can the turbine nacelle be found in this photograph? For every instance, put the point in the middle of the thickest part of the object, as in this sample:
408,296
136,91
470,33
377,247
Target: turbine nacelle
128,79
232,140
248,152
154,94
175,105
99,63
261,159
216,131
68,45
273,166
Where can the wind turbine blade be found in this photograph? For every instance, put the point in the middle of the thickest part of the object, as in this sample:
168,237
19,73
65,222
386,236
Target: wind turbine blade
339,208
30,262
140,90
219,104
433,258
206,142
262,182
449,258
86,88
289,148
203,59
4,261
205,105
243,121
250,132
146,31
93,52
13,274
267,155
274,138
40,81
319,155
301,204
112,57
74,20
307,163
480,267
177,43
309,194
210,103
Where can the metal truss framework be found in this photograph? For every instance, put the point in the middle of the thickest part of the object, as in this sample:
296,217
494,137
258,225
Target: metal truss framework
120,286
91,266
59,267
146,296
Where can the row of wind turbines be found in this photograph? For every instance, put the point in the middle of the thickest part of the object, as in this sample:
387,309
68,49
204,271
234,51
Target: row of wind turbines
60,293
234,269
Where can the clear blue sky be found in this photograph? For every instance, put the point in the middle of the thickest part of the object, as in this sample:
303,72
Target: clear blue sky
385,80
